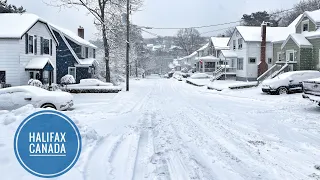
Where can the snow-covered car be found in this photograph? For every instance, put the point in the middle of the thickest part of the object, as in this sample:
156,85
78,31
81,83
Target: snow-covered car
93,82
288,82
16,97
200,76
311,90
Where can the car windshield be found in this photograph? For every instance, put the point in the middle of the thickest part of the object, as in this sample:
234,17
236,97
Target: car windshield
159,89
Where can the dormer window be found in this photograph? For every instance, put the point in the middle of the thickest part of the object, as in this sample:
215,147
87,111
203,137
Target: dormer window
305,25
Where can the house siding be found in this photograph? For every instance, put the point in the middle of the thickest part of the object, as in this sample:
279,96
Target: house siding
9,60
312,26
316,56
276,48
82,73
65,58
306,59
76,48
40,30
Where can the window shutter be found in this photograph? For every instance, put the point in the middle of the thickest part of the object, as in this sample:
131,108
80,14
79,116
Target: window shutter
51,47
35,45
41,45
27,42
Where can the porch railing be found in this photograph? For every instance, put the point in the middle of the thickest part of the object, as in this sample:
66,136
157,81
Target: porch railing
272,72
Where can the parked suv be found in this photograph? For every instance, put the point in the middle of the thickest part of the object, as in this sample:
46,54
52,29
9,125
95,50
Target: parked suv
288,82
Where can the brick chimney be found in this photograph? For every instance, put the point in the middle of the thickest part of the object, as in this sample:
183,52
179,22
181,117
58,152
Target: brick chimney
81,32
263,66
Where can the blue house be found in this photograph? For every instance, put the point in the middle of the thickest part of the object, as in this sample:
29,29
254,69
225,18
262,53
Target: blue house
75,55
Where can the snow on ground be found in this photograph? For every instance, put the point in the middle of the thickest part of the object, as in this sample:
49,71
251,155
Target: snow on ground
225,84
165,129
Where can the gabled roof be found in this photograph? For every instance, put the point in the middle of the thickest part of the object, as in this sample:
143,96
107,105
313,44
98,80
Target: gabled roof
220,42
38,63
228,54
72,36
203,47
15,25
299,39
313,16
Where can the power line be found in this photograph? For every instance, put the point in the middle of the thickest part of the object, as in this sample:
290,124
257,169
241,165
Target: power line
206,26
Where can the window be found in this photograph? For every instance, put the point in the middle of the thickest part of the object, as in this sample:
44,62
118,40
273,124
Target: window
94,53
240,64
83,54
252,60
46,46
30,44
31,75
72,71
87,52
279,56
240,41
35,45
305,25
269,60
234,44
2,77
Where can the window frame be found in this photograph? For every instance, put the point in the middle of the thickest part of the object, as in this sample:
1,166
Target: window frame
234,44
249,60
86,52
240,45
279,56
305,22
43,46
30,44
269,60
238,64
75,71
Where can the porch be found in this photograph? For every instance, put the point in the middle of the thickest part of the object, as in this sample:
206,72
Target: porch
41,69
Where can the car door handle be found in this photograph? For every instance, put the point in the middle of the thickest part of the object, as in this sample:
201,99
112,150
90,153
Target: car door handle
28,99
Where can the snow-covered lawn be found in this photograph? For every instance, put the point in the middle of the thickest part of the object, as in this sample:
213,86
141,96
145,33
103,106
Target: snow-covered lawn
165,129
226,84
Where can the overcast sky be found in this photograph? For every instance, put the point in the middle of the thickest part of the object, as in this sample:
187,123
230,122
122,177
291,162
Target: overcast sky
160,13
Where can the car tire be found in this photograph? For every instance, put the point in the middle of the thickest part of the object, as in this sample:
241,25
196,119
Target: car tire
48,105
282,91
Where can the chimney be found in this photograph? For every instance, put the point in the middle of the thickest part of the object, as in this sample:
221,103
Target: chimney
81,32
263,66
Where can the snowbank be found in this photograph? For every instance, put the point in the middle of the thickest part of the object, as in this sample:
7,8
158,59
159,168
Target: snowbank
77,88
200,76
198,82
93,82
9,122
220,85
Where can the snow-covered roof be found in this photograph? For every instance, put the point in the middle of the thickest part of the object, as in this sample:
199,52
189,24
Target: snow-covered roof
89,61
228,53
208,58
149,45
38,63
314,16
220,42
14,25
283,33
71,35
299,39
203,47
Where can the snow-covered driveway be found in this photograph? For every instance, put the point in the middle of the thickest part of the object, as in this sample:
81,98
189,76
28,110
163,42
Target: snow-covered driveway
165,129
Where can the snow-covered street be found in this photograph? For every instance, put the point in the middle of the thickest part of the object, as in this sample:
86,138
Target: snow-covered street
166,129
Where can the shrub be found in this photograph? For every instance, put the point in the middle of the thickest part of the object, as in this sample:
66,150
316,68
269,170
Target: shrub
55,87
67,79
35,82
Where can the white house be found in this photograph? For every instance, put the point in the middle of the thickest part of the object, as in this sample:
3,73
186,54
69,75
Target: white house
247,42
27,49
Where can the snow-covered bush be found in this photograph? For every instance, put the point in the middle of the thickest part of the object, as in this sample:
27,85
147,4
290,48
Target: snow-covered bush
67,79
35,82
54,87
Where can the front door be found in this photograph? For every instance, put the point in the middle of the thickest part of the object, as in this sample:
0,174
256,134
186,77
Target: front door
290,55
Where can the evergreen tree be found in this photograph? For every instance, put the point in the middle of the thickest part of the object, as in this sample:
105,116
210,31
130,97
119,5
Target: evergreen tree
8,8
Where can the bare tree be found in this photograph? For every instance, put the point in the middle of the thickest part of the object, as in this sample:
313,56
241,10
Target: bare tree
104,12
189,40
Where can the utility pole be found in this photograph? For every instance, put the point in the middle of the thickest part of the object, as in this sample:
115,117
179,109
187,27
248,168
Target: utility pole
128,45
